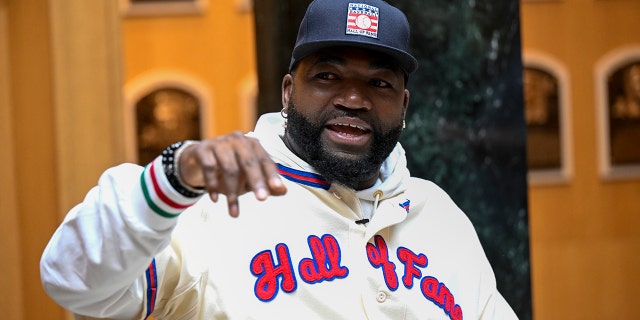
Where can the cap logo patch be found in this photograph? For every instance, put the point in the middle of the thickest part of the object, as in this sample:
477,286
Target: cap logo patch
362,19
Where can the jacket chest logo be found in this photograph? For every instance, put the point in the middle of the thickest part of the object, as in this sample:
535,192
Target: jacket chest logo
275,272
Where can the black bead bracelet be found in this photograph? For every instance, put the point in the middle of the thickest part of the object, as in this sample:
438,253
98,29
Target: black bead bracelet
170,157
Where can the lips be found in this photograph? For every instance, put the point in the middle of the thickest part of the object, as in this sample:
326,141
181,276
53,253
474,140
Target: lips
348,135
349,125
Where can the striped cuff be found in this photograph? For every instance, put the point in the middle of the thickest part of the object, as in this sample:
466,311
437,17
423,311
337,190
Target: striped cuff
160,196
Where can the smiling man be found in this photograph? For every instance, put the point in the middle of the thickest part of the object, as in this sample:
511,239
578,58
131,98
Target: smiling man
332,225
345,108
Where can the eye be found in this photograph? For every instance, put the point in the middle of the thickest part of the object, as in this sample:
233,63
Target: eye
326,76
380,83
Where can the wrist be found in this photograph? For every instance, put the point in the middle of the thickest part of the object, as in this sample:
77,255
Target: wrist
171,164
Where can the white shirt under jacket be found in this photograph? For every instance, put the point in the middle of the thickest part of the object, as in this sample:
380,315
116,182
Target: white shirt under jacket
124,254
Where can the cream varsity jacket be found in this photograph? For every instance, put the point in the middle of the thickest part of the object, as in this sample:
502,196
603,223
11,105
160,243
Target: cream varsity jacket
135,248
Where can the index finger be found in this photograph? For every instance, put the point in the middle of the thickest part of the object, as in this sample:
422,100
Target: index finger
260,171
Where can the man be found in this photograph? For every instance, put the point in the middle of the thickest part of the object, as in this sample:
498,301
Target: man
312,216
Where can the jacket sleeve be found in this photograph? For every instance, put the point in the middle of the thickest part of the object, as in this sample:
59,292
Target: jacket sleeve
495,306
498,309
100,260
492,304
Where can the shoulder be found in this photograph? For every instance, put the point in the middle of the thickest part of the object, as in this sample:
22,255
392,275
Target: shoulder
431,203
421,191
434,214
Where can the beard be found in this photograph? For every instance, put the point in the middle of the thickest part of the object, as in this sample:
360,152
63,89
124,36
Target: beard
332,167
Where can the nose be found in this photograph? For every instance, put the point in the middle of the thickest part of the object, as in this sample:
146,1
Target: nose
353,96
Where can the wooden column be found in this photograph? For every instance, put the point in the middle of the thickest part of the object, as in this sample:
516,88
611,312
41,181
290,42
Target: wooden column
10,271
60,126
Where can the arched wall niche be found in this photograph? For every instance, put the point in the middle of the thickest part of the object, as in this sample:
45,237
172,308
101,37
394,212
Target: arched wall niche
168,90
618,154
562,171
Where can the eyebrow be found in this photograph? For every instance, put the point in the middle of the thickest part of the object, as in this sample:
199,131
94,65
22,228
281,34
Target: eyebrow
330,60
376,64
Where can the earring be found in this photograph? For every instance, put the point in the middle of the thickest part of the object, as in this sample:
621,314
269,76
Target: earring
404,124
283,113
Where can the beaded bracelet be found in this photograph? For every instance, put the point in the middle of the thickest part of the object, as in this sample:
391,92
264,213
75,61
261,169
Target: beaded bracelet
170,158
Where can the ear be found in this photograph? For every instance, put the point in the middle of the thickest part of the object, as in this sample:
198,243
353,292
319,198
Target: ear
405,103
287,87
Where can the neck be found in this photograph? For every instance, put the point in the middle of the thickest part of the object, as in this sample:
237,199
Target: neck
364,181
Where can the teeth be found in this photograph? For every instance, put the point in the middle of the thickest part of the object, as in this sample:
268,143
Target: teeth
352,126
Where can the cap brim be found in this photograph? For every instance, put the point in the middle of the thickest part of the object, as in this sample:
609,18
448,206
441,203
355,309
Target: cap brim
407,62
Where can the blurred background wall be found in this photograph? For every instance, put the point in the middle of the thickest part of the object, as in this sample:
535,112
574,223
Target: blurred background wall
68,74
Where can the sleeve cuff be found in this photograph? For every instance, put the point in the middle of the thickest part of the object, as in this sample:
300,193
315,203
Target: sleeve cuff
159,195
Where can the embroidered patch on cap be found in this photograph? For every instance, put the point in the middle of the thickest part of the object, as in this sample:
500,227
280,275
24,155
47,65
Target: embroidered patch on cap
362,19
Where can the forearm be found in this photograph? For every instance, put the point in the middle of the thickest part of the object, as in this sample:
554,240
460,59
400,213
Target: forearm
96,260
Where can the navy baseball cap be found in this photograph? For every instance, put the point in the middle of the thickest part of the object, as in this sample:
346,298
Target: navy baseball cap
369,24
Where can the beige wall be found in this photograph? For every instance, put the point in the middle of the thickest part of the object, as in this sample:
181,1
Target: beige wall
585,235
63,122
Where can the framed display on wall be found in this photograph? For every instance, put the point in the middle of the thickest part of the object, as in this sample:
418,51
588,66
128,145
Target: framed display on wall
163,107
547,116
617,79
